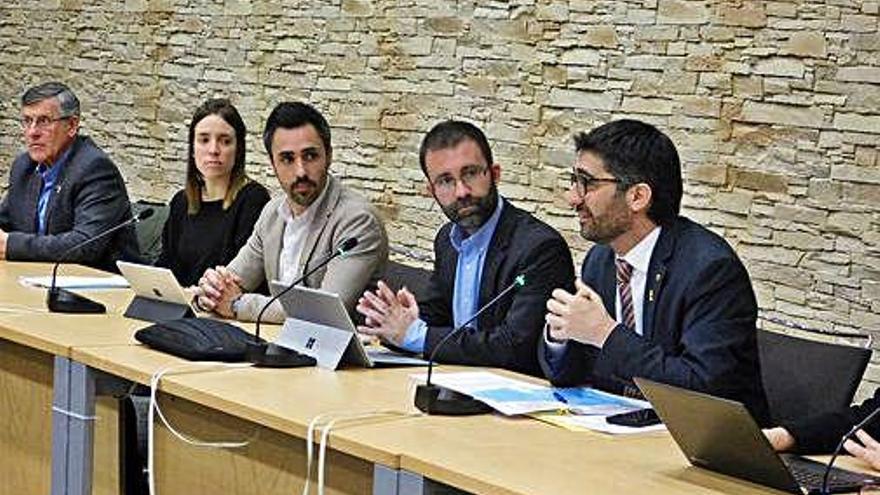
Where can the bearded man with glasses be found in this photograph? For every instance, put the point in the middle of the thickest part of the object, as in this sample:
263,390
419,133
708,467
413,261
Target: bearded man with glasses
63,189
660,296
487,243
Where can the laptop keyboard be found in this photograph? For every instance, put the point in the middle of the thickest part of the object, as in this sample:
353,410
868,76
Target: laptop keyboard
809,473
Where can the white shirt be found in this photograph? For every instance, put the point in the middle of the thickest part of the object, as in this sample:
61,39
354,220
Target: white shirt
640,259
296,229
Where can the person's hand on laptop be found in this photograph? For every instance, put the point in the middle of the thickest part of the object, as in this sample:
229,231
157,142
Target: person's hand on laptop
218,288
868,451
780,439
387,315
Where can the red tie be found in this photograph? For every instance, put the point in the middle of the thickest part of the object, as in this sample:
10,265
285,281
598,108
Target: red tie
624,273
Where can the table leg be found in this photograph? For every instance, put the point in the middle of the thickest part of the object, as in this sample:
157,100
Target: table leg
73,425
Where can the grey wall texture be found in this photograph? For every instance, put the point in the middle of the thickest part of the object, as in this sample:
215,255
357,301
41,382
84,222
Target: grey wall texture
774,105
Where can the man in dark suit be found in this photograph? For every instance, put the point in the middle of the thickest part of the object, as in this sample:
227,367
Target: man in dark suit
480,252
661,297
63,190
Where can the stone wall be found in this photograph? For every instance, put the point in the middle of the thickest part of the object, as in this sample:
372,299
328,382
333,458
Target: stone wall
775,107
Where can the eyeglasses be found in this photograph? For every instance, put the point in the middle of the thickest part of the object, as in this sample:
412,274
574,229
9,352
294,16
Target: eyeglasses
469,175
40,122
584,182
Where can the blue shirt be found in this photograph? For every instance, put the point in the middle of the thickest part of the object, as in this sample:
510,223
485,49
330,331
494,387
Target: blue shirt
468,275
50,177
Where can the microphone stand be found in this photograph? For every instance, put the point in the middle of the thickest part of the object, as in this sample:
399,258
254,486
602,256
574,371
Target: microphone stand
270,355
61,300
434,399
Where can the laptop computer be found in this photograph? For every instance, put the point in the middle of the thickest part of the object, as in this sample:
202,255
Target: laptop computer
318,325
720,435
158,295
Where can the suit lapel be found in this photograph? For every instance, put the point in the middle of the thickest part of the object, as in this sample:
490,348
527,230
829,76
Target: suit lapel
33,195
496,254
657,276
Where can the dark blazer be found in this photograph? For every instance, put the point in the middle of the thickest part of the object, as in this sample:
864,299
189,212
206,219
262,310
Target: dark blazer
509,331
89,197
698,317
820,434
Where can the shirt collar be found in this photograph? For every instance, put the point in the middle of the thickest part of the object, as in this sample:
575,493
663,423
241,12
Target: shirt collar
640,255
48,173
287,214
482,236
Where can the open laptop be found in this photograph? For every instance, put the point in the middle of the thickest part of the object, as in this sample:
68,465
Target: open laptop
720,435
318,325
158,295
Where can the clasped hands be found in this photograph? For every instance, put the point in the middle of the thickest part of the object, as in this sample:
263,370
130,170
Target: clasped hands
387,314
580,316
217,288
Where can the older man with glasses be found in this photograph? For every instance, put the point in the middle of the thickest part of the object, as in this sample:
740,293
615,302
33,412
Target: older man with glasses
63,189
481,251
660,296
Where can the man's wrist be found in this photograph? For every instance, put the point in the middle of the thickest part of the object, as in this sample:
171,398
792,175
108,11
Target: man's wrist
235,305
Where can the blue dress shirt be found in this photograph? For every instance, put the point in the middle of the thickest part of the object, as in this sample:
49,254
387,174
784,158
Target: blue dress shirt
50,176
468,275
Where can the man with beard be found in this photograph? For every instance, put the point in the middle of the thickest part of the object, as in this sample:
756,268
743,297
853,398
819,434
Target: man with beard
485,246
299,228
661,297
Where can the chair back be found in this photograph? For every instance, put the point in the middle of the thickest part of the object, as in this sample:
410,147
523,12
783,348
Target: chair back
803,377
149,231
415,279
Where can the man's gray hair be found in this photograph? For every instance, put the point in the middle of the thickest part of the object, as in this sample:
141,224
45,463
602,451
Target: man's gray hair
68,101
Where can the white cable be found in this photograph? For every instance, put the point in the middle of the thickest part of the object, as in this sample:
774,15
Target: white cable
325,434
74,415
154,408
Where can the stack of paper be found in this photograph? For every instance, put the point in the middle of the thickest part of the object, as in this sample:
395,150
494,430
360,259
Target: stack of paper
74,282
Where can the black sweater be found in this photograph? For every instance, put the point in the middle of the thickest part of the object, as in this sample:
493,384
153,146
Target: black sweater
193,243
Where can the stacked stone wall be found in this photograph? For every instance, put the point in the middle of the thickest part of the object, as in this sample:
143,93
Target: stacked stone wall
774,105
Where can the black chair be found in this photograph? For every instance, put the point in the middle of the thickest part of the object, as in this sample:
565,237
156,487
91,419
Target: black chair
415,279
149,231
803,377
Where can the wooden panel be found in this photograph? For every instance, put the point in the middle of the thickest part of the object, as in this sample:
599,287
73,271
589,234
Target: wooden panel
25,419
105,477
273,463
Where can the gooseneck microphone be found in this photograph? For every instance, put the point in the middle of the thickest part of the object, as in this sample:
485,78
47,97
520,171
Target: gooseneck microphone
861,424
64,301
432,399
268,355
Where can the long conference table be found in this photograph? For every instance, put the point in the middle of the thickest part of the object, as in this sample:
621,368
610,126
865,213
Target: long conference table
59,375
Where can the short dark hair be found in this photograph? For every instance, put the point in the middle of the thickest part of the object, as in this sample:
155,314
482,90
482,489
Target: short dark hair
224,109
290,115
634,152
448,134
67,101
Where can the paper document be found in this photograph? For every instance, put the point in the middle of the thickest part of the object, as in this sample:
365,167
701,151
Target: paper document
74,282
511,396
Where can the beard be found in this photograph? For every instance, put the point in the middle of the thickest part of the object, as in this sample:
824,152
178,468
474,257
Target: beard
471,213
307,196
605,227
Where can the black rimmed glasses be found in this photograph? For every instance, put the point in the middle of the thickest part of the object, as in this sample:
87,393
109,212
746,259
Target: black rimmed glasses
584,182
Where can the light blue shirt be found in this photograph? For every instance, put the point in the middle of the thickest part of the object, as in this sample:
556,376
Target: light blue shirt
50,177
468,275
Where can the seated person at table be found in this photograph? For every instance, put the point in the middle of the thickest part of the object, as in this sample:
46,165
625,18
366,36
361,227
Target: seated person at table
213,216
301,227
661,297
63,190
820,434
485,246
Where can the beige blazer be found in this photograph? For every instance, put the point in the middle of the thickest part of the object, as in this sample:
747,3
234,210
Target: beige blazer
342,213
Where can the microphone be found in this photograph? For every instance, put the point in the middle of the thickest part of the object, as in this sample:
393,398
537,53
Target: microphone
861,424
432,399
264,354
64,301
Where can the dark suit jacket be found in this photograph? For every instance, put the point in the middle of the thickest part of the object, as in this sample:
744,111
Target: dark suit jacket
89,197
509,331
698,317
820,434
